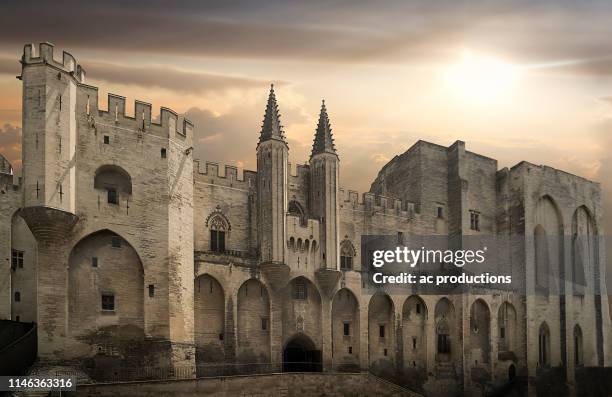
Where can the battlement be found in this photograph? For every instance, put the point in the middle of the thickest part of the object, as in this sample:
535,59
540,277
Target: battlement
167,126
526,166
377,204
210,172
44,54
298,171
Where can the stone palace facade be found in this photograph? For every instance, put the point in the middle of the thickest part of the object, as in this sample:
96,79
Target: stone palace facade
128,252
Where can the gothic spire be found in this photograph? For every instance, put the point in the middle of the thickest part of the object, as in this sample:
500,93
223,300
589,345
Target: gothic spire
323,141
271,127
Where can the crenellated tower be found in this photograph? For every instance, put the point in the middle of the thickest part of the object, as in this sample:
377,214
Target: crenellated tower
272,163
49,127
49,142
324,170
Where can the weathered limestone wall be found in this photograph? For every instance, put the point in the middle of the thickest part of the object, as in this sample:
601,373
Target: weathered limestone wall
24,279
10,200
154,216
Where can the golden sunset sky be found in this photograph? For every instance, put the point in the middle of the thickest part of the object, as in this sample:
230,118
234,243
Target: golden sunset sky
515,80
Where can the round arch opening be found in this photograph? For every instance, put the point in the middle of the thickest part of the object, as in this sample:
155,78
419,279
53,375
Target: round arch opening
301,355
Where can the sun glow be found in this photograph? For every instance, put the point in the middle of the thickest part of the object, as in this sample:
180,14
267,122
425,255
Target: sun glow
480,79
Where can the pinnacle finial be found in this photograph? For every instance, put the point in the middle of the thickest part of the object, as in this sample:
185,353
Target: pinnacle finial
323,141
271,127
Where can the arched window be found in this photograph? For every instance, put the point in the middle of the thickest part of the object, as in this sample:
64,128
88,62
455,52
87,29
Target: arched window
347,253
583,249
542,260
544,346
578,353
219,227
114,180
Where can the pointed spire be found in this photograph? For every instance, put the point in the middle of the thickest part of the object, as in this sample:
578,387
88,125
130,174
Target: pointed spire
323,141
271,127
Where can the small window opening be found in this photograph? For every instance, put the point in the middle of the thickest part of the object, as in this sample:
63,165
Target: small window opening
116,242
264,324
108,302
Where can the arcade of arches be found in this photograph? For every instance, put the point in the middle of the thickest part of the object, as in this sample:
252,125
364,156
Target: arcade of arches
419,336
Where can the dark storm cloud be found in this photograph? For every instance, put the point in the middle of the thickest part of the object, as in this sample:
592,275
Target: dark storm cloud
339,31
170,79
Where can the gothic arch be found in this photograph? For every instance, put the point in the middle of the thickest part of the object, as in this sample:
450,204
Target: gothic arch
542,258
253,322
209,319
480,333
345,330
548,244
301,308
446,331
414,333
584,249
578,346
347,255
219,227
217,220
381,331
544,345
105,277
507,328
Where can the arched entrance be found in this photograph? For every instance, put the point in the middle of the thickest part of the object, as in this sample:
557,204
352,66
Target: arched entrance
511,372
300,355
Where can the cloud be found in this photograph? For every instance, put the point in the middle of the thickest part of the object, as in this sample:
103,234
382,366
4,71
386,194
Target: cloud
170,79
9,66
10,144
340,31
